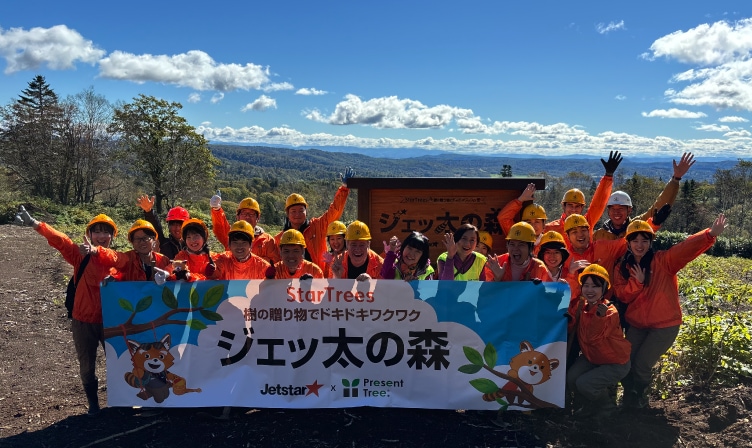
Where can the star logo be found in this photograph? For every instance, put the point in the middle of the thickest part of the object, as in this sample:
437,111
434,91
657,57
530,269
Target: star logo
314,388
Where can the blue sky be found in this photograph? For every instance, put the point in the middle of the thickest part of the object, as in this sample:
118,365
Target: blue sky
647,78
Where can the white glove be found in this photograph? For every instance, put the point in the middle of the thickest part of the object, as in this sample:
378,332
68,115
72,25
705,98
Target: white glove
216,201
23,218
160,276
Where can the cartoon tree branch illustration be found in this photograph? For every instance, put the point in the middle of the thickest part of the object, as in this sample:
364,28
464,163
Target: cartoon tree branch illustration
528,364
211,298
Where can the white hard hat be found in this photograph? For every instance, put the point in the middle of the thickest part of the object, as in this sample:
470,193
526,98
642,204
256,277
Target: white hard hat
619,198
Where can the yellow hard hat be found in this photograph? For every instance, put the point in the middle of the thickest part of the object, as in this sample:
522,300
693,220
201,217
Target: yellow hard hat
250,204
574,196
638,225
552,236
102,219
575,220
358,231
196,224
295,199
485,238
596,270
141,224
336,228
242,227
522,231
292,236
533,212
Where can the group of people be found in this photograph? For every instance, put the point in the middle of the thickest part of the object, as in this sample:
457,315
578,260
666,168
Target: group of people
618,282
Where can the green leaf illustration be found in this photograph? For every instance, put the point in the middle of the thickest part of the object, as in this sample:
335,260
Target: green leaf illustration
169,299
213,295
470,368
484,386
196,324
473,356
504,404
211,315
345,382
194,297
489,354
355,382
143,304
126,305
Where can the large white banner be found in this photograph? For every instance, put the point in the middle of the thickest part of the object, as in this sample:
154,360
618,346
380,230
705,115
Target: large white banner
336,343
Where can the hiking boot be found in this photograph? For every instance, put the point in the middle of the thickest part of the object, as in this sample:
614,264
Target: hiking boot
92,397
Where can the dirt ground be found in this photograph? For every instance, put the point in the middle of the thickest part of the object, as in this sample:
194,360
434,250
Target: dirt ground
42,402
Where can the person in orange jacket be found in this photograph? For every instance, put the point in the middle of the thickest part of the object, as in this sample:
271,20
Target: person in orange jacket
583,251
358,262
605,353
335,238
533,214
239,263
314,229
573,201
619,205
518,264
646,280
169,244
264,245
554,254
196,258
141,263
292,246
86,323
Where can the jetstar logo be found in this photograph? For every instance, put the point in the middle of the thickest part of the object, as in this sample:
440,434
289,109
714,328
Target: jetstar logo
289,390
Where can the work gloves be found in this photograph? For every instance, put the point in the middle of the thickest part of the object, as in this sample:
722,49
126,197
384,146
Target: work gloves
23,218
610,165
348,174
660,215
216,201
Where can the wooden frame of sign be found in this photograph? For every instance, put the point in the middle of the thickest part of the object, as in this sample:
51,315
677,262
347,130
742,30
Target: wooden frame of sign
435,206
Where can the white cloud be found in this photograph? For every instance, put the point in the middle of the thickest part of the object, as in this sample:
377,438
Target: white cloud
217,97
194,69
732,119
276,86
713,128
390,112
261,104
194,97
585,144
673,113
58,47
602,28
311,91
620,97
738,134
705,44
722,51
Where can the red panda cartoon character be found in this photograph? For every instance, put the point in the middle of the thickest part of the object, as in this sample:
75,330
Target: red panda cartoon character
151,361
531,367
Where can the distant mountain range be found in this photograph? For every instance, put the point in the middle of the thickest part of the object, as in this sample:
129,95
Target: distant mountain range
238,159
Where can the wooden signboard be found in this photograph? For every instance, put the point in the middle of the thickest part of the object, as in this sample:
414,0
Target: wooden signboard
435,206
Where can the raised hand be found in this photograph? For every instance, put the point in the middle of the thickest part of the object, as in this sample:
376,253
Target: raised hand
393,245
686,162
451,246
348,174
86,247
601,310
216,201
614,159
145,202
24,218
719,225
528,193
